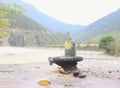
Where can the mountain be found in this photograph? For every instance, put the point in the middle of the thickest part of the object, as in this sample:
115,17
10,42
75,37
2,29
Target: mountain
48,22
26,32
109,24
24,23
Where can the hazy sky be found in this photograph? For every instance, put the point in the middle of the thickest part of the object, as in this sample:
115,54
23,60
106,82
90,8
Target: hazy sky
81,12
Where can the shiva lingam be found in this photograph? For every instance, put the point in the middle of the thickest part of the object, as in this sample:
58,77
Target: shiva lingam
67,62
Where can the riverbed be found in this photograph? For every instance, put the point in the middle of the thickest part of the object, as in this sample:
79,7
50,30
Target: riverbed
25,67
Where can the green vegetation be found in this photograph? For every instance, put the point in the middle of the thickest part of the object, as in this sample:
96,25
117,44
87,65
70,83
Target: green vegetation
34,38
105,42
23,22
114,48
16,40
110,45
6,9
26,32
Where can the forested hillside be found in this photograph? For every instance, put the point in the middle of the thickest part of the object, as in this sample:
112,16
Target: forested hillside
23,22
26,32
109,24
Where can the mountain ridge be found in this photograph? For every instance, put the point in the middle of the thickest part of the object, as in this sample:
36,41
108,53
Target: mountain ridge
105,25
26,32
47,21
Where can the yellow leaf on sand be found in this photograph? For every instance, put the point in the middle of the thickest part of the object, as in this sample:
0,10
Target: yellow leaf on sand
44,82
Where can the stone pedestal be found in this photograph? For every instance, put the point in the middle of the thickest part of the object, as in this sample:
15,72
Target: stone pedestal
68,63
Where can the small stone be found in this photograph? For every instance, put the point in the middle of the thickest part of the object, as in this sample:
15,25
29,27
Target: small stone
82,76
68,85
109,71
75,74
118,71
89,69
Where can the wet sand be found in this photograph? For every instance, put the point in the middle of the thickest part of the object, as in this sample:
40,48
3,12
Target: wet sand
24,67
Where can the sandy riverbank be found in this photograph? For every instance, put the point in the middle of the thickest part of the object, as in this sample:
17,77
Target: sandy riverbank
24,67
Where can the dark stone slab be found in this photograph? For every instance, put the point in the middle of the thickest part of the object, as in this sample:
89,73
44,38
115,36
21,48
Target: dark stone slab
68,63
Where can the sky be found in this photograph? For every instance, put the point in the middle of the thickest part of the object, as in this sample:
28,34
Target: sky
83,12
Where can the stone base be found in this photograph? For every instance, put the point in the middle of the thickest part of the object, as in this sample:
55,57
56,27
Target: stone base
68,63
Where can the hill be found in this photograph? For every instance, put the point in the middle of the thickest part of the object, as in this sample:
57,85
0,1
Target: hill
46,21
24,22
26,32
109,24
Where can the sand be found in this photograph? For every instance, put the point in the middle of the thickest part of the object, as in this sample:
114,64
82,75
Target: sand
24,67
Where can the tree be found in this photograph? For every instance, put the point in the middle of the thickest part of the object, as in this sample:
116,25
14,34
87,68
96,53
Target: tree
105,43
6,9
